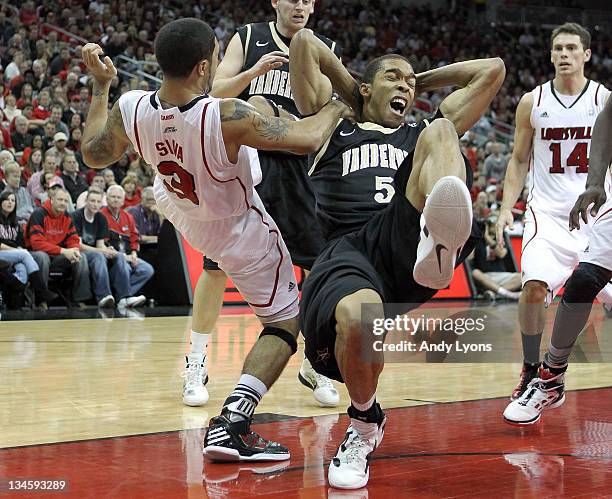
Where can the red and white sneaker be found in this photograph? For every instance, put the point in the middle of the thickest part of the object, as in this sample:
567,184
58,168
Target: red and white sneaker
529,372
545,392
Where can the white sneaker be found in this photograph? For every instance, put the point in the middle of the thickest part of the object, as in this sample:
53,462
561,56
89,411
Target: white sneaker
540,395
350,467
107,302
196,376
132,301
446,224
322,388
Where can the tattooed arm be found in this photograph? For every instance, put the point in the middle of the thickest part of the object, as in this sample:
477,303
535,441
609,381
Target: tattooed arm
104,137
242,124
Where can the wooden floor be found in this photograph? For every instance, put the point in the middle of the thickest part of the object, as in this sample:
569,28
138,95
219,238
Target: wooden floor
88,379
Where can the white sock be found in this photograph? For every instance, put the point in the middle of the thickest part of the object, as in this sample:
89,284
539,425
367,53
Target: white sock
366,406
254,383
199,342
504,292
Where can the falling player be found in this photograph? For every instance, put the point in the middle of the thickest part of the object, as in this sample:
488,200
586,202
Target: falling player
553,134
204,186
547,390
393,199
256,65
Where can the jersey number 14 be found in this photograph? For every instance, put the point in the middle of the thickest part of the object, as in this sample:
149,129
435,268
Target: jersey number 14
578,157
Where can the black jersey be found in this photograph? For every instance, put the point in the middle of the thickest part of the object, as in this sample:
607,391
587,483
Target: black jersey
259,39
353,174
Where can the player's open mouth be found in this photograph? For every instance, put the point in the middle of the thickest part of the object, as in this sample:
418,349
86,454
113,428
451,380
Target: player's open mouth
298,19
564,65
398,105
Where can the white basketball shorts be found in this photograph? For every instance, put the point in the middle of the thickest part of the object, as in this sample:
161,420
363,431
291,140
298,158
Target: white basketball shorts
249,249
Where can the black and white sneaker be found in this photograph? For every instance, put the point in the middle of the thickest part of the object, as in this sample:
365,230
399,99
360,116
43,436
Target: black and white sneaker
350,467
235,441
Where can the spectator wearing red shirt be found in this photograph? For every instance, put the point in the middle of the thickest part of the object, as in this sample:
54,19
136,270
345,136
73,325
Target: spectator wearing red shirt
42,105
123,236
54,242
132,192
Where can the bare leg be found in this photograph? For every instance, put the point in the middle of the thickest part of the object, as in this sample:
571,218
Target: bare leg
207,300
270,354
481,278
438,176
437,155
359,369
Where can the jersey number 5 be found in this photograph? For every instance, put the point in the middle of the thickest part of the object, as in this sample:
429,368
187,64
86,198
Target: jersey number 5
384,186
578,157
184,187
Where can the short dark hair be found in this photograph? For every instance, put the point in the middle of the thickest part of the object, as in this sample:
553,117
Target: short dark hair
181,44
93,190
573,29
374,66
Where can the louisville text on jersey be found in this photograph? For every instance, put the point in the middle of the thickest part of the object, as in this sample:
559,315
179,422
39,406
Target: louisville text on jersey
566,133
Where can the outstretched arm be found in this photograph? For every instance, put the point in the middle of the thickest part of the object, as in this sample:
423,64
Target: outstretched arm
315,71
599,162
104,137
242,124
479,80
230,81
518,166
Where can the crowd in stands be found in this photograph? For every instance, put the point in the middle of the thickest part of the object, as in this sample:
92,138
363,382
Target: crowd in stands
45,95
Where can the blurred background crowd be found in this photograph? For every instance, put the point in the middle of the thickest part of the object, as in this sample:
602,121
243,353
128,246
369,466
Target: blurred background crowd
45,94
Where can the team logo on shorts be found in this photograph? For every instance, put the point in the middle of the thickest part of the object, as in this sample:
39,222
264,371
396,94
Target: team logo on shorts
323,355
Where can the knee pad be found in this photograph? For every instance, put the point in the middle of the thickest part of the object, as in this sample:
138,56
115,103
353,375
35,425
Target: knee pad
585,283
283,334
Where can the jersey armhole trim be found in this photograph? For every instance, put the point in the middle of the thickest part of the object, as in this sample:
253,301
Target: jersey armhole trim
136,134
323,150
539,97
281,44
596,92
246,44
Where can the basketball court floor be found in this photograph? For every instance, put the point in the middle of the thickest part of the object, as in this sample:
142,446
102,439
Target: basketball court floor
95,406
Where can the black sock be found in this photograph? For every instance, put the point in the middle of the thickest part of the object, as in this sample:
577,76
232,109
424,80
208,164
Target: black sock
531,347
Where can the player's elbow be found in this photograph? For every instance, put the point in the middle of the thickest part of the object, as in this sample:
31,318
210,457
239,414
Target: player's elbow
93,159
495,70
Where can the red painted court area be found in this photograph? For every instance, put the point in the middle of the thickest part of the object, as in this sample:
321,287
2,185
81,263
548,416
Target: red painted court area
460,449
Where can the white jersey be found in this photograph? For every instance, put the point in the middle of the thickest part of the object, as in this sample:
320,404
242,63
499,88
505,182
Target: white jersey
185,147
563,127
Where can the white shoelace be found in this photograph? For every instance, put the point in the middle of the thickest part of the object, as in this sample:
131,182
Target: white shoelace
322,381
357,448
193,375
536,394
